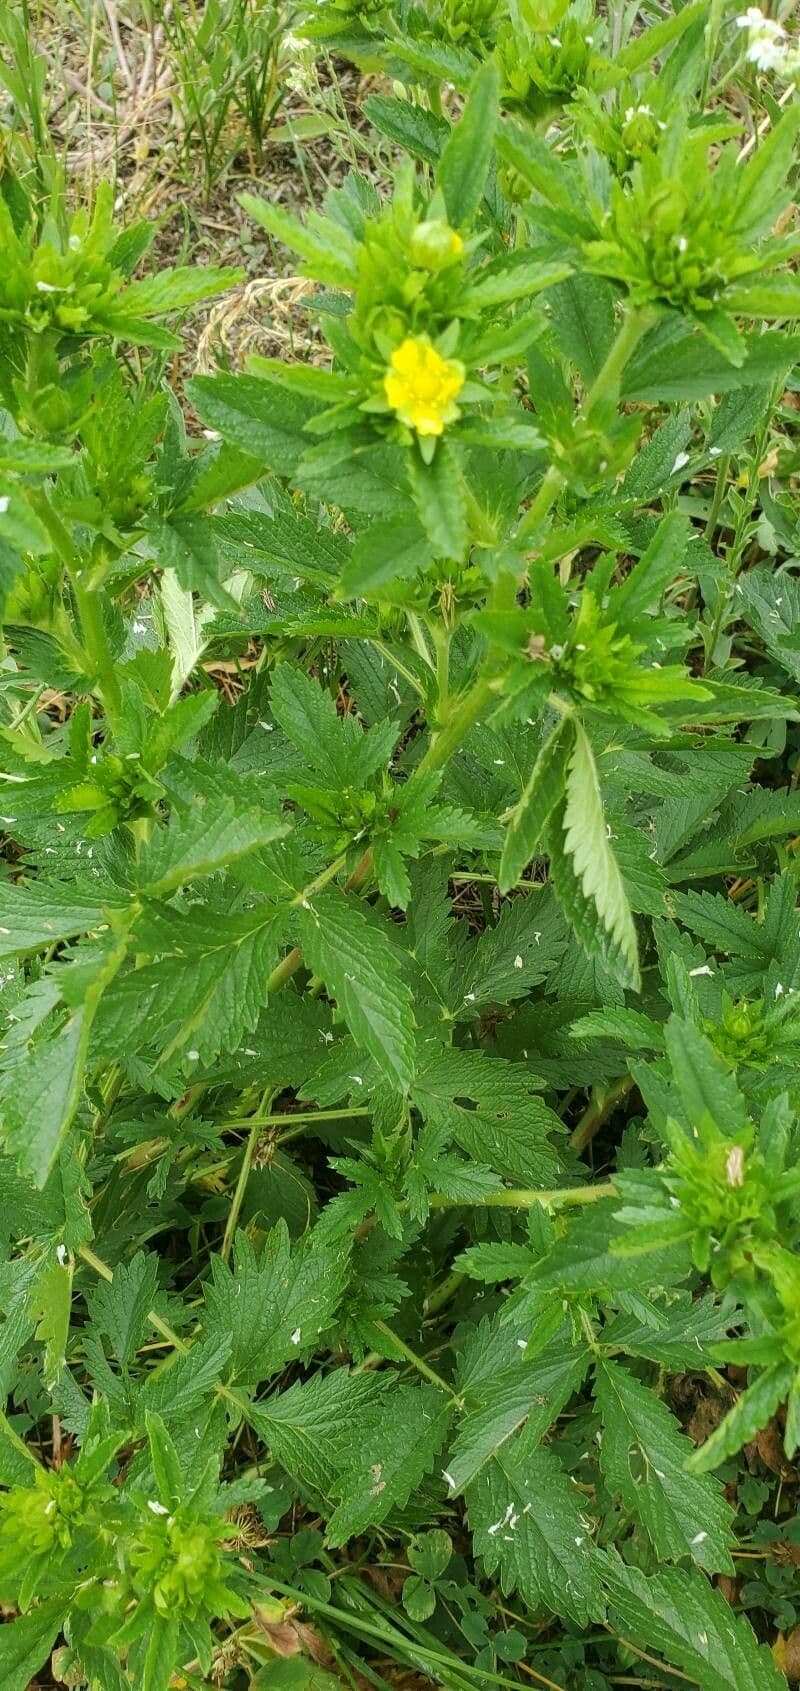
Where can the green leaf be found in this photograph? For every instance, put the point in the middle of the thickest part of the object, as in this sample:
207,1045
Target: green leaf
637,1032
490,1108
411,127
691,1625
35,915
226,818
162,1653
643,1456
166,1464
41,1097
687,367
26,1643
204,991
438,493
707,1088
464,161
386,552
504,1392
309,1428
330,253
253,413
397,1445
585,1259
51,1303
723,925
543,791
509,958
528,1527
354,958
587,877
582,315
173,290
120,1307
275,1305
655,571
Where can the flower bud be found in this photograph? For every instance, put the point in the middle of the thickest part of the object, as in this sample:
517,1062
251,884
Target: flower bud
434,245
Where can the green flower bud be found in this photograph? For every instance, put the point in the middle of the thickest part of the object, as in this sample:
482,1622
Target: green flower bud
434,245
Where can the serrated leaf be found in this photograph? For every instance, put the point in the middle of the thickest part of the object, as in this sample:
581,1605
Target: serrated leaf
438,493
398,1443
585,1259
657,568
162,1652
227,820
354,959
543,791
26,1643
528,1528
41,1096
51,1304
464,160
707,1088
490,1108
643,1455
120,1307
386,552
587,876
509,958
35,915
503,1392
692,1626
309,1428
276,1305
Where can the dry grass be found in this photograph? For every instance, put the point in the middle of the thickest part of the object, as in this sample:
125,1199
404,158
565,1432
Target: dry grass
112,110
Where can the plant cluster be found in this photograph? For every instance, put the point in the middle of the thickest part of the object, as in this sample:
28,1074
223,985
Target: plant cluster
399,944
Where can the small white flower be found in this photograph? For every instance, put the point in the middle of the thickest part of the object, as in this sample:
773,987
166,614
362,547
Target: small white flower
766,53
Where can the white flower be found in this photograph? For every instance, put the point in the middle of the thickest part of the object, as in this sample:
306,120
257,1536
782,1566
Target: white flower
755,20
766,53
767,46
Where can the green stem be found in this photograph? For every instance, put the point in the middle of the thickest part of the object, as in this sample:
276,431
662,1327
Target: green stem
519,1198
241,1185
598,1111
101,658
441,640
283,971
464,717
417,1362
551,485
603,395
291,1118
418,640
720,486
442,1293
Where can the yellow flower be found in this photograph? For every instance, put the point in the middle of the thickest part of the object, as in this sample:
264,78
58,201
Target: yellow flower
421,386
